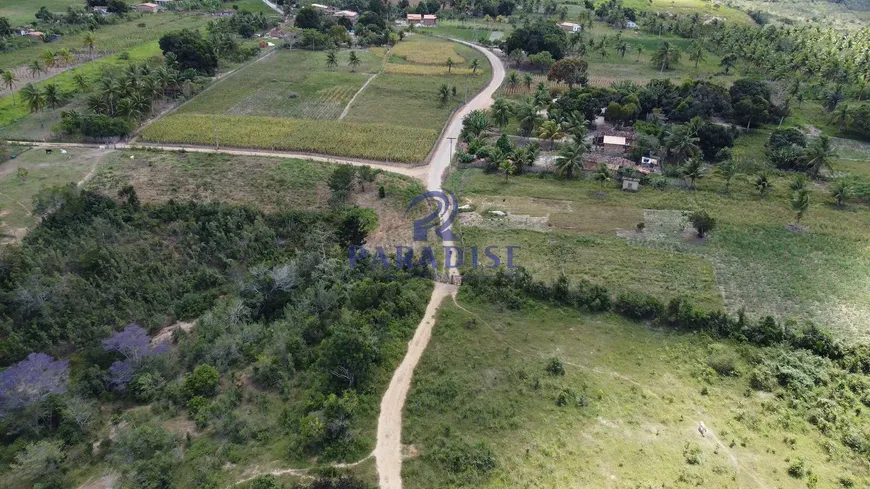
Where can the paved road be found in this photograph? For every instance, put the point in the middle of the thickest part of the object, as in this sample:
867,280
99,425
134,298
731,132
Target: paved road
388,451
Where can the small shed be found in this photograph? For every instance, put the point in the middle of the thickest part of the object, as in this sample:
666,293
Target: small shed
630,184
570,26
147,8
614,144
631,24
414,18
429,20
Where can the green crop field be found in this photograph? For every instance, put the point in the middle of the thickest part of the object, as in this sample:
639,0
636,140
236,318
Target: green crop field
22,12
484,411
273,106
751,261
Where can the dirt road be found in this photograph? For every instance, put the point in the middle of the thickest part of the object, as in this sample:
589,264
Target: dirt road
388,451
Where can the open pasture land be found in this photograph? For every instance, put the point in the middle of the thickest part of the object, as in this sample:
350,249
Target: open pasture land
40,170
636,407
707,10
290,100
23,11
752,259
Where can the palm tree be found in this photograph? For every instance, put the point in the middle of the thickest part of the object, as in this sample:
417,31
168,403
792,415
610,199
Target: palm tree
842,117
840,192
90,41
450,64
819,155
727,170
353,61
799,182
692,171
570,159
501,112
697,54
9,80
53,97
763,184
331,60
527,115
528,81
35,68
506,165
444,94
682,143
66,57
551,131
475,65
728,62
513,79
666,56
49,58
800,204
602,174
33,97
638,49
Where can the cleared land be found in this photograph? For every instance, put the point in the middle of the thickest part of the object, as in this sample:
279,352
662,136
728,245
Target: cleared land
269,105
751,261
633,400
22,12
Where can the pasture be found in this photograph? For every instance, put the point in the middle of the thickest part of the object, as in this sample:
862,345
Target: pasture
751,261
273,106
22,12
636,406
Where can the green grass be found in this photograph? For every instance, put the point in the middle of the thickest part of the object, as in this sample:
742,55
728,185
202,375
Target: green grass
268,104
43,170
23,12
483,379
751,260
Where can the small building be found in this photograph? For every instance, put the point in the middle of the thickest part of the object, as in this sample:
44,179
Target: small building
415,18
34,34
630,184
631,24
325,8
347,14
429,20
614,144
147,8
570,27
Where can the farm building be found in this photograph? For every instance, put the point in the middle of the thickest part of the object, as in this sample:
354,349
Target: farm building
430,20
415,18
570,26
630,184
347,14
614,144
147,8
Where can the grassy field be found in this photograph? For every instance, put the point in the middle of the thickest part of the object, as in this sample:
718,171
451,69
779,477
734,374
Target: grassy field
22,12
290,101
43,170
634,399
751,261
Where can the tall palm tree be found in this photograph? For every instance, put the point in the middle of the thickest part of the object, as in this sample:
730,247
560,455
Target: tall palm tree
35,68
728,61
353,61
692,171
49,58
819,155
505,164
513,79
9,81
331,60
528,81
800,204
602,174
33,97
450,64
638,50
551,131
682,143
697,54
90,42
621,48
666,56
501,112
569,161
842,118
53,97
527,115
475,65
66,57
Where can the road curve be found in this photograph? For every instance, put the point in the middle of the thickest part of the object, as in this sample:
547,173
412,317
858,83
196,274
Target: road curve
388,450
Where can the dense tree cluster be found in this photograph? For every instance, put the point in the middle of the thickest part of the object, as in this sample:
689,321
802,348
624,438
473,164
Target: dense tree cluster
536,37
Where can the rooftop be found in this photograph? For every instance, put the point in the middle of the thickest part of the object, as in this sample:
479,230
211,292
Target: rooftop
614,140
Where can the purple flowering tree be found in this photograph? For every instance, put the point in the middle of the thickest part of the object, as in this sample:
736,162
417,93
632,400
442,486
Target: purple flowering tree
32,381
135,345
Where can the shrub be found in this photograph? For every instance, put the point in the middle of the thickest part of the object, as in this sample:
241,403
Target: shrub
636,305
702,222
203,381
460,457
555,367
724,364
797,469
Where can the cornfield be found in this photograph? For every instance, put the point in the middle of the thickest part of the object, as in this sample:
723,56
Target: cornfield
426,52
384,142
426,70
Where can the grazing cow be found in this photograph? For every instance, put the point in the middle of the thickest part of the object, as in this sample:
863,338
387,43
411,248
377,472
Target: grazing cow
49,151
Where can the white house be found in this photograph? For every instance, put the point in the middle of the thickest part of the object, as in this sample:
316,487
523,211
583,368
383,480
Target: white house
570,26
631,24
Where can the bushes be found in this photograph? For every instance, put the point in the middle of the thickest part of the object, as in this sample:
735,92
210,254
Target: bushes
461,458
638,306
